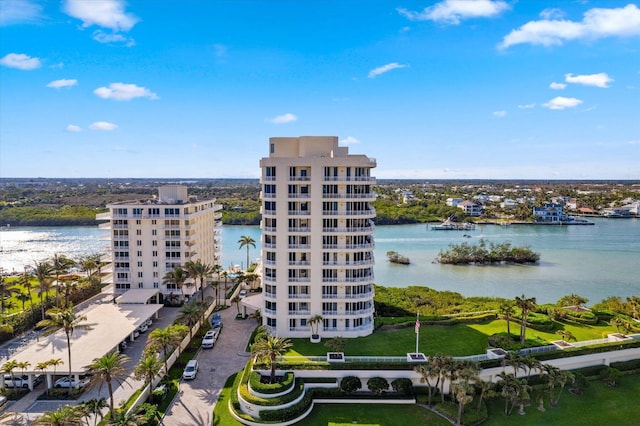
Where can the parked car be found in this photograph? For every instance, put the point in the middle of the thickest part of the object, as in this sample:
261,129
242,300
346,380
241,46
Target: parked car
216,321
191,370
65,383
149,322
20,381
243,294
210,338
143,328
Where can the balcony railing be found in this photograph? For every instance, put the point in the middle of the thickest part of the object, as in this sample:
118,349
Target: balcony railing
299,279
299,178
299,262
299,296
301,312
269,245
370,212
349,179
299,212
299,246
269,195
300,229
299,195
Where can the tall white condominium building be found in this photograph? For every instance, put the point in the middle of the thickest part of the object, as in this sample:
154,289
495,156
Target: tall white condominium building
317,238
151,237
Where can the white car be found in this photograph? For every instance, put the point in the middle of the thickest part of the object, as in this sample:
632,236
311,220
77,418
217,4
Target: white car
64,382
243,294
143,328
190,370
210,338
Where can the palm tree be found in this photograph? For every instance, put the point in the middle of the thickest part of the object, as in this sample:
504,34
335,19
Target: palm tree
198,270
236,300
257,316
23,298
530,363
23,365
64,415
573,300
67,320
428,372
511,390
107,369
486,391
42,366
269,348
54,362
189,315
124,418
25,281
93,407
8,368
314,322
148,367
514,359
525,305
7,289
247,241
176,277
166,339
60,265
225,275
463,393
43,275
507,311
216,269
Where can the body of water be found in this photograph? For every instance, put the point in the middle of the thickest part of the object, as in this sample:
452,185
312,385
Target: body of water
593,261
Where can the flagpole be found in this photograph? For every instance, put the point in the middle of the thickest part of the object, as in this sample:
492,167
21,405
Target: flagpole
417,330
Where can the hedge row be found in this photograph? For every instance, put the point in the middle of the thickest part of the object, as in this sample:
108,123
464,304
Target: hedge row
401,322
470,416
270,388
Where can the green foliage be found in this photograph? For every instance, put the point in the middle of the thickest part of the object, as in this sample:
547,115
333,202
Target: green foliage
406,301
465,253
270,388
48,216
469,417
403,386
350,384
378,385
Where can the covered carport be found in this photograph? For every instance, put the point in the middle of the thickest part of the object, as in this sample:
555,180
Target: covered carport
252,302
109,325
139,296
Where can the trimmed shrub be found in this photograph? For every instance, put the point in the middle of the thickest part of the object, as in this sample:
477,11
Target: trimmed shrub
270,388
378,385
403,386
350,384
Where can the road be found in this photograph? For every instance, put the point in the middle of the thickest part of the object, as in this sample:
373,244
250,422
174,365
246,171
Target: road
196,399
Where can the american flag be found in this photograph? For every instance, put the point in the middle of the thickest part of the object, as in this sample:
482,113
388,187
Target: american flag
417,326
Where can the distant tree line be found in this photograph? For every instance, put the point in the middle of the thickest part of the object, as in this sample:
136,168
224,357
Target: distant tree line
496,252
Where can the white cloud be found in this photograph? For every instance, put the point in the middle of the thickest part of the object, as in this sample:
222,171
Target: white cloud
19,12
75,129
453,11
552,13
106,38
527,106
499,114
557,86
283,119
349,140
596,23
20,61
124,92
598,80
385,68
57,84
104,13
102,126
561,102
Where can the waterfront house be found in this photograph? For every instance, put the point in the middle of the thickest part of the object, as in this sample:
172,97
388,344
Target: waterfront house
549,213
470,208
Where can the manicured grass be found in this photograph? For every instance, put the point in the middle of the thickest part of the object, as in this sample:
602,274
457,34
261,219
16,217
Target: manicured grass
454,340
221,414
371,414
600,405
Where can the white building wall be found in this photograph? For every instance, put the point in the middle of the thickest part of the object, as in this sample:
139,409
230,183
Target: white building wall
297,257
145,233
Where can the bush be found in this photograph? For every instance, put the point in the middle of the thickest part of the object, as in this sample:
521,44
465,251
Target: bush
378,385
270,388
403,386
469,417
289,413
540,322
350,384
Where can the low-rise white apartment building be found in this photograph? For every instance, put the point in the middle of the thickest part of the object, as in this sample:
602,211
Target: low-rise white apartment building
150,237
317,238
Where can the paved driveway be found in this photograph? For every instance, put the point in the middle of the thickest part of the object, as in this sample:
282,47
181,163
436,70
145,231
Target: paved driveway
195,400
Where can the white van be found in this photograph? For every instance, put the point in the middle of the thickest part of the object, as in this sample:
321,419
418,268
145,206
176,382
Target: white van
190,370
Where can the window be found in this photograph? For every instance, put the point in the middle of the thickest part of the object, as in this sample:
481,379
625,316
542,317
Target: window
155,274
139,243
138,231
154,232
137,212
140,285
272,148
154,254
154,242
156,285
140,274
139,264
138,222
271,322
155,263
139,254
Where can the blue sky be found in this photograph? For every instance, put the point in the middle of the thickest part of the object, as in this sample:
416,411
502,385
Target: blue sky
431,89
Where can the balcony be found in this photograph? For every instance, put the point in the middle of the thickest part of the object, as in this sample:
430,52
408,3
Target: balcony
364,196
299,178
269,195
305,312
366,295
349,179
268,212
330,313
271,262
299,279
269,295
269,245
360,246
329,279
358,279
369,213
360,312
299,262
268,178
270,311
307,195
301,229
269,228
352,230
299,246
268,279
299,212
299,296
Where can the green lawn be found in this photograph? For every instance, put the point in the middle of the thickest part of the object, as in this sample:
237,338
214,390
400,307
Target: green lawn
600,405
455,340
371,414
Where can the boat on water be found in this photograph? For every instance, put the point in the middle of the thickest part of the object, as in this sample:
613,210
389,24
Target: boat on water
450,225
